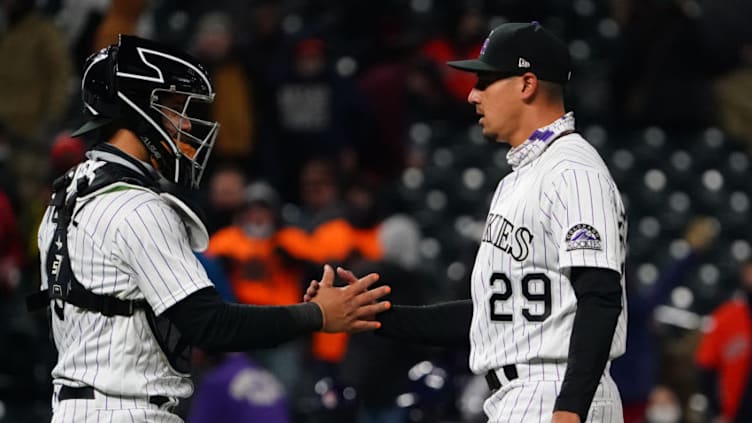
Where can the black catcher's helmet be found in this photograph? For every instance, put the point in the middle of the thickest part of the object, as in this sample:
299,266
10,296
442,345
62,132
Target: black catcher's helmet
162,95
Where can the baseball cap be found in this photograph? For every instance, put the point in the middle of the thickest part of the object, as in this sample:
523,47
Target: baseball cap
261,193
516,48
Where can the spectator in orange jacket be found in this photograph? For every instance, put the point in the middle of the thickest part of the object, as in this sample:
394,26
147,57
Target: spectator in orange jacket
250,250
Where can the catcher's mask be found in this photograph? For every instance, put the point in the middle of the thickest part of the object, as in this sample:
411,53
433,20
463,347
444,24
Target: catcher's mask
160,94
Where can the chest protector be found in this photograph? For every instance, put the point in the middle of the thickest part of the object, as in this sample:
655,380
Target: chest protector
64,287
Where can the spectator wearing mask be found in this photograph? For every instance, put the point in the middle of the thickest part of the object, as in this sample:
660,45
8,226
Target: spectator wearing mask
251,253
249,250
663,406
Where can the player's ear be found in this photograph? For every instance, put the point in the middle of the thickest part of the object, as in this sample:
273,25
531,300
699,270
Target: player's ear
529,86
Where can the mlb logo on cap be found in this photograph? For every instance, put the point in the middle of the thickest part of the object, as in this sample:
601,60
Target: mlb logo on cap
485,44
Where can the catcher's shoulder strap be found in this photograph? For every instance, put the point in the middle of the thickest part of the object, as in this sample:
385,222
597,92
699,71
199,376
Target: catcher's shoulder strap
100,178
89,178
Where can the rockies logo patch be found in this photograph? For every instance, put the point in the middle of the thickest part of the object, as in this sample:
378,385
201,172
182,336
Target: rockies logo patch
583,237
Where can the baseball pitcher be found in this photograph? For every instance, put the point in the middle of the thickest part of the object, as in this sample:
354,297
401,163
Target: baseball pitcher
547,313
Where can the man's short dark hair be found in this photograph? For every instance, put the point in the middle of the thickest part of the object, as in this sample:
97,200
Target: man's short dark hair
552,90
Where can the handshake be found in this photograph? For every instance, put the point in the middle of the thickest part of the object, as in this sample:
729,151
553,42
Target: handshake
351,308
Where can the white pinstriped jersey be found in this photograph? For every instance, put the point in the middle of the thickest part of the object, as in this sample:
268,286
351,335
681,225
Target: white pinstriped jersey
559,208
131,244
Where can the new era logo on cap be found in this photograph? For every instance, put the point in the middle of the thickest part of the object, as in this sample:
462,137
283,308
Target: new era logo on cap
515,48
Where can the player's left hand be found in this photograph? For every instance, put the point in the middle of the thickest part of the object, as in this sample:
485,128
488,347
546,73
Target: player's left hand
565,417
313,287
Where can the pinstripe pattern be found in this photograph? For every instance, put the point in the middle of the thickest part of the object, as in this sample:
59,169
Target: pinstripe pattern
531,399
533,212
131,244
82,411
108,409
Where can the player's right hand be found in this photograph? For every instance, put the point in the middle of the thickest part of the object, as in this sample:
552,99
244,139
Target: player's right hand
349,308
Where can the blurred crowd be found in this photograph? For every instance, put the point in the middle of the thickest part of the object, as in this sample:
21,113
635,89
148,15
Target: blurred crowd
346,140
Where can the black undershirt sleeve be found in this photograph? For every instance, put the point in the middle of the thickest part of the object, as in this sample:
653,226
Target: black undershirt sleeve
599,303
444,324
208,322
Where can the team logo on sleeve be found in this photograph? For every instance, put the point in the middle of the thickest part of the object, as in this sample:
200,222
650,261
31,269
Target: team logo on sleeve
583,237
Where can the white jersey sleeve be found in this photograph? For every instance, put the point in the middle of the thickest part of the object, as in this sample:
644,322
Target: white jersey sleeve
152,241
587,219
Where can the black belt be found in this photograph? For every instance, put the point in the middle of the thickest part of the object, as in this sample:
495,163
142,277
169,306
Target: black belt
87,392
510,372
